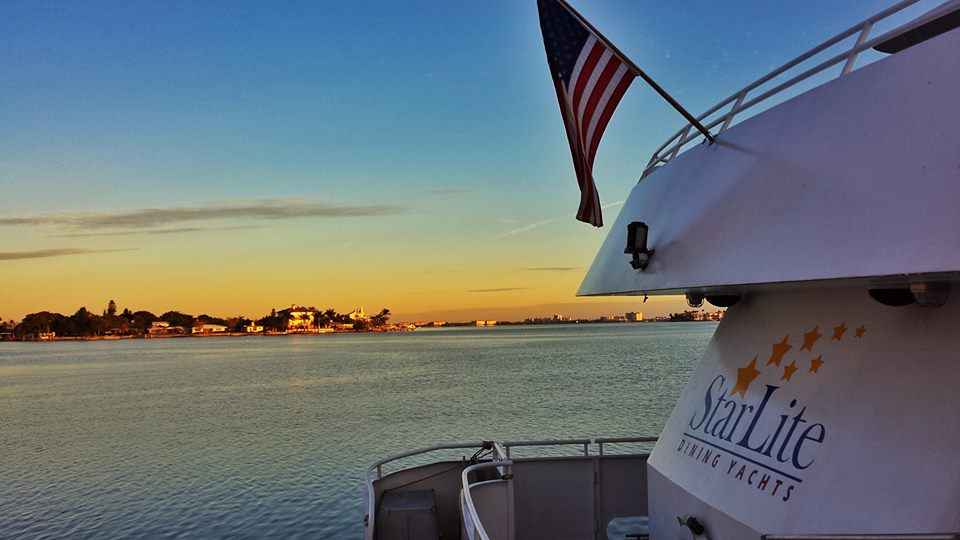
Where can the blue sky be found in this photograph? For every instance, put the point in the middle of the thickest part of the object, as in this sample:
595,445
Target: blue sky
439,114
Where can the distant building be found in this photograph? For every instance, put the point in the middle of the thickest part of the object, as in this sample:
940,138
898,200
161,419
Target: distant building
160,328
635,316
702,315
484,323
299,318
208,329
433,324
357,314
253,328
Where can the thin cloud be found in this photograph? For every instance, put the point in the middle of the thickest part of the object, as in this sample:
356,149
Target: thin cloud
543,222
552,269
60,252
503,289
149,218
178,230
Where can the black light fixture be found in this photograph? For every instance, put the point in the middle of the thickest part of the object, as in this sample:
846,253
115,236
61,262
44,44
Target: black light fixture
695,299
637,245
921,294
930,294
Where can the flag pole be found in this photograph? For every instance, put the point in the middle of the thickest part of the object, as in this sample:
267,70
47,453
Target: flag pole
663,93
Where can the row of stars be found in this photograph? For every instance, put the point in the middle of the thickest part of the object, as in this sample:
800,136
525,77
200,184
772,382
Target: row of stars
746,375
809,339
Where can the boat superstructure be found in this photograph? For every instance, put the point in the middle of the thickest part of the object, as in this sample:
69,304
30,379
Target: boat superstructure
826,404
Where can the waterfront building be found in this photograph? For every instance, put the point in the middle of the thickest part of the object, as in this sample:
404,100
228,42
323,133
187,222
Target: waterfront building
299,318
163,328
208,329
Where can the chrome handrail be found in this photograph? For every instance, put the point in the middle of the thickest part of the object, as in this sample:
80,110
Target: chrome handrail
550,442
469,508
670,149
600,441
622,440
370,495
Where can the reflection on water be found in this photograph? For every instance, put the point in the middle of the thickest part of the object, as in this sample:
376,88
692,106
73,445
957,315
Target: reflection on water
270,436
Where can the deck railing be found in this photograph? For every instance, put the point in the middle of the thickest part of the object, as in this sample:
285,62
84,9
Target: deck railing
375,472
471,520
739,101
584,443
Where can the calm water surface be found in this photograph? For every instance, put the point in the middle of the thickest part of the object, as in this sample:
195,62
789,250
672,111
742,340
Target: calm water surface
271,436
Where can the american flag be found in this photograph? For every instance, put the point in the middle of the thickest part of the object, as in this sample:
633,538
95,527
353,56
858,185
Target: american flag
590,79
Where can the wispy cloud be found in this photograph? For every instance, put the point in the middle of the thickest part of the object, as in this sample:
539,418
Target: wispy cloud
178,230
60,252
150,218
503,289
552,269
541,223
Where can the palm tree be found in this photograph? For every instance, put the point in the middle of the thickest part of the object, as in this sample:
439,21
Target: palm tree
380,319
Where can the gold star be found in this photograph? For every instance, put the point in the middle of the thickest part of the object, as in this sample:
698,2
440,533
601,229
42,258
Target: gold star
810,338
815,364
788,371
779,349
745,376
838,332
860,331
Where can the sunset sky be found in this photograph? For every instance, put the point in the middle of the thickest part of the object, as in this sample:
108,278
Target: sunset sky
232,157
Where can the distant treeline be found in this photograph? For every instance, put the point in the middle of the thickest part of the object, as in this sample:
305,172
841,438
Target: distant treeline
84,323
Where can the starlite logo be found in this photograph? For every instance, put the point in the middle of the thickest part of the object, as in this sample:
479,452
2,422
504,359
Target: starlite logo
764,439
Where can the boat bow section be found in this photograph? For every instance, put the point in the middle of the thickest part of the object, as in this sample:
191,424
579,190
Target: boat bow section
817,412
857,178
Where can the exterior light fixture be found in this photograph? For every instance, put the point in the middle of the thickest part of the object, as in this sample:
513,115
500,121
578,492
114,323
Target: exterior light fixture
695,299
930,294
637,245
921,294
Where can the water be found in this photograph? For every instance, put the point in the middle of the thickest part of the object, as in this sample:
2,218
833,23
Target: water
271,436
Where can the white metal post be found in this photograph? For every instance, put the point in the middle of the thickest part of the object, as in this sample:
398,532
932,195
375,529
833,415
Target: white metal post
852,59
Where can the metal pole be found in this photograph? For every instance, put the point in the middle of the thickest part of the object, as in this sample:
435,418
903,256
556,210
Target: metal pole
663,93
853,55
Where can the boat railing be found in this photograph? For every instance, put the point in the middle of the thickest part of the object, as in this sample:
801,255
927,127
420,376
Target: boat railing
375,472
472,525
583,443
622,440
739,102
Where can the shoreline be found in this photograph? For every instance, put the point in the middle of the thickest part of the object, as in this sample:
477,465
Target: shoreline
295,333
205,335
